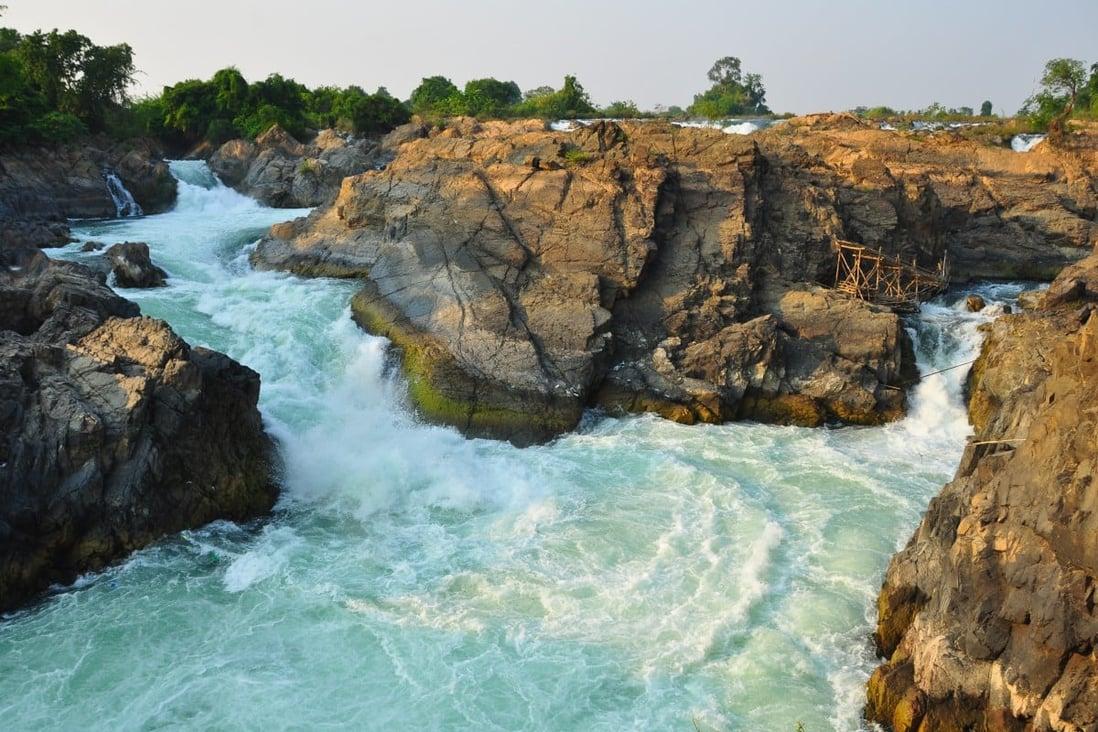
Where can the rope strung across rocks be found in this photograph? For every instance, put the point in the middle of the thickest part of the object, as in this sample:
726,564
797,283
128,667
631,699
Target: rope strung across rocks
901,385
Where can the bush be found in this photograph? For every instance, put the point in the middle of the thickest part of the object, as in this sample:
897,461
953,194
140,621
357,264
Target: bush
377,114
58,127
220,131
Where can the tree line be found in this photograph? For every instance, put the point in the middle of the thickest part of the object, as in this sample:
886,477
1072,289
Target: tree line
56,86
1067,90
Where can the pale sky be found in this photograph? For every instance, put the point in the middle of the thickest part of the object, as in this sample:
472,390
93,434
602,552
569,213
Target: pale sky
814,55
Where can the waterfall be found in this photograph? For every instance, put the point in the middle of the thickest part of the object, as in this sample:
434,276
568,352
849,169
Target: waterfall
124,205
1024,143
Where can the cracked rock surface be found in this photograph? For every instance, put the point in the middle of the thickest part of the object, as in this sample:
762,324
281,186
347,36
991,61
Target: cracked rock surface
526,273
113,431
987,618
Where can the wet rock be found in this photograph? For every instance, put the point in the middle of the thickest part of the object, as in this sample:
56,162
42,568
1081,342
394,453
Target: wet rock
51,184
113,431
975,303
986,619
132,266
92,246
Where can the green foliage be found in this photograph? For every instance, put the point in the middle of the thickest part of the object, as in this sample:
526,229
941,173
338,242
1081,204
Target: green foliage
436,96
56,86
378,113
576,156
732,93
1066,91
571,101
986,109
57,127
621,110
490,97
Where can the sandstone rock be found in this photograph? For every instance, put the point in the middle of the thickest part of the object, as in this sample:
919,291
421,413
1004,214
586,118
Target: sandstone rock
986,619
113,431
1030,299
46,185
279,171
525,273
132,267
975,303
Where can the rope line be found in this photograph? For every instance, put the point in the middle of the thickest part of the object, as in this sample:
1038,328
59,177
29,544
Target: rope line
902,384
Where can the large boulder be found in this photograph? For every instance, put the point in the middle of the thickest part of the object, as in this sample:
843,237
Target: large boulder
525,274
279,171
113,431
986,619
132,266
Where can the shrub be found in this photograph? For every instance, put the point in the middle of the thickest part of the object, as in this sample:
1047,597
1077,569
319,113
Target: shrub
377,114
58,127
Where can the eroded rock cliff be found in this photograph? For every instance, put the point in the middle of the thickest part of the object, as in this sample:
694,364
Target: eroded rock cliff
41,187
113,431
279,171
987,618
526,273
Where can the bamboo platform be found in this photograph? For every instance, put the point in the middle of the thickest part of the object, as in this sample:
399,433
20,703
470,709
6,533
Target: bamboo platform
873,276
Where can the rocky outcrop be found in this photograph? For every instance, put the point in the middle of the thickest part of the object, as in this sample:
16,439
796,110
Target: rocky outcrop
279,171
987,618
41,187
132,267
527,273
113,431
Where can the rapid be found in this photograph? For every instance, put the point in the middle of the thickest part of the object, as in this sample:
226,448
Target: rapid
638,574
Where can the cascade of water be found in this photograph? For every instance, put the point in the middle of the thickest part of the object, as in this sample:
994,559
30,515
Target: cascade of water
639,574
1024,143
124,203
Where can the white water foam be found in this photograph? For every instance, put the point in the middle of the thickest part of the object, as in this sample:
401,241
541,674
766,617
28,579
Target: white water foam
639,574
1024,143
124,203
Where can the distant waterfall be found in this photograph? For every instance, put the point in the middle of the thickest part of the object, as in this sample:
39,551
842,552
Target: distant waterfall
124,205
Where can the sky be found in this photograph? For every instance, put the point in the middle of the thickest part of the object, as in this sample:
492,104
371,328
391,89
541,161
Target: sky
814,55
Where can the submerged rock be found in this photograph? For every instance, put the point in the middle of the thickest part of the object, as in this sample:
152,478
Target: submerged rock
132,267
113,431
986,619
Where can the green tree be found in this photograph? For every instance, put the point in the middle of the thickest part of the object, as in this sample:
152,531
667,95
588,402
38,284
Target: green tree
106,74
490,97
1054,103
733,92
437,95
986,109
378,113
231,92
189,106
571,101
621,110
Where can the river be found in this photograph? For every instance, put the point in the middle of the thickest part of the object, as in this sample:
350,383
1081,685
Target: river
638,574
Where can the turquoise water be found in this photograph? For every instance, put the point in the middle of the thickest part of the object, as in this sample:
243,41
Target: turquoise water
636,575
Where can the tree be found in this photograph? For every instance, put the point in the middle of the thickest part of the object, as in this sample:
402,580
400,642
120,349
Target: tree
490,97
621,110
733,92
437,95
726,71
1054,103
985,109
106,74
571,101
378,113
230,92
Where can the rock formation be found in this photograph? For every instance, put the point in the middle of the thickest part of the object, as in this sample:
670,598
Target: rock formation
41,187
526,273
113,431
987,618
132,267
279,171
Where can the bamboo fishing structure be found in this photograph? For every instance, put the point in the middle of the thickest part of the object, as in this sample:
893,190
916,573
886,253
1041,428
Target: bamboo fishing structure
876,277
